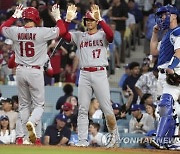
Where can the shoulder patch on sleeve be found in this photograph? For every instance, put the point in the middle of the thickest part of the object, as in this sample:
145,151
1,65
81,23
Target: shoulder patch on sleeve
176,32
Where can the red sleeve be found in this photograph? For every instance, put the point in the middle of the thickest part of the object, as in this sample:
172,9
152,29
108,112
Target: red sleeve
67,36
11,61
107,30
7,23
62,28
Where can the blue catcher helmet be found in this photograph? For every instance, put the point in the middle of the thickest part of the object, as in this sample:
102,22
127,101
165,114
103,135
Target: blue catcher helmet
164,23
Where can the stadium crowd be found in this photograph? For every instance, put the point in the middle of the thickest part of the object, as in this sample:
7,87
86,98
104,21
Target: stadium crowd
138,83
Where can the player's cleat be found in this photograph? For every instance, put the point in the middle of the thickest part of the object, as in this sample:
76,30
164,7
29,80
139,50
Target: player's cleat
31,132
19,140
26,142
82,144
112,141
38,142
175,146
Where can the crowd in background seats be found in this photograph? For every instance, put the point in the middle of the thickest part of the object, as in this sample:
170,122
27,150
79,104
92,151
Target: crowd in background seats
138,83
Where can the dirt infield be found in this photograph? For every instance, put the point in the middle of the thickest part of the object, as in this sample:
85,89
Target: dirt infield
14,149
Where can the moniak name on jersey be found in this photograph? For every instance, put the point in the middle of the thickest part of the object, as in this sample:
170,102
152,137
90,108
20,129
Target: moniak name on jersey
26,36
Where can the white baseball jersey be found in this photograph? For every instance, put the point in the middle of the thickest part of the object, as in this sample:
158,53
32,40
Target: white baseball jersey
30,44
91,48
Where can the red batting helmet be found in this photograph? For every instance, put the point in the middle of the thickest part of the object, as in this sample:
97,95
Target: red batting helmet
31,13
88,15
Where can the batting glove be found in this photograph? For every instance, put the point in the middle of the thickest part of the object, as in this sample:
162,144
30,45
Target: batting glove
71,13
96,12
18,11
56,12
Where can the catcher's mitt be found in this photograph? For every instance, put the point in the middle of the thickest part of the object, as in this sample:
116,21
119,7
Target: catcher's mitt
173,79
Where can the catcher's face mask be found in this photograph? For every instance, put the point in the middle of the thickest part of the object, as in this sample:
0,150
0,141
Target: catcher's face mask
162,18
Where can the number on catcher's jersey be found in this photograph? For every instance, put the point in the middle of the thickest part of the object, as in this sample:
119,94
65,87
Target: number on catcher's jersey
28,48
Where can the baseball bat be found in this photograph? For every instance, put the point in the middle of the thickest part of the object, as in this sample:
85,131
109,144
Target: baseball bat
60,42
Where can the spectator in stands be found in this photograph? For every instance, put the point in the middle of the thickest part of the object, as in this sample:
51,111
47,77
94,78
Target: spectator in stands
34,3
57,134
71,118
45,14
124,76
145,67
5,71
116,46
117,111
131,80
7,107
94,110
74,137
147,83
68,91
15,102
74,101
95,137
150,109
7,136
140,122
119,14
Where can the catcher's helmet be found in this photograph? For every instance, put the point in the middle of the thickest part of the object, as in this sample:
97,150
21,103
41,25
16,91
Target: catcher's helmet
164,23
88,15
31,13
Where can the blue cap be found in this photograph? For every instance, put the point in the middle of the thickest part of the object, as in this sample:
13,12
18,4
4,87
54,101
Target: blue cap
4,117
135,107
61,117
116,106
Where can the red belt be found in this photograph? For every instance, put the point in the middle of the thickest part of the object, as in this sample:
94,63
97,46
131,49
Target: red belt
35,66
92,69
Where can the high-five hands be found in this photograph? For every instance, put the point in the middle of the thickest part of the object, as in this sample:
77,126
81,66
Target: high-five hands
56,12
18,11
96,12
71,13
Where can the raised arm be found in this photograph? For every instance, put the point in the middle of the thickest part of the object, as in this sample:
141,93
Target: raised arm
97,16
154,41
59,22
17,14
70,15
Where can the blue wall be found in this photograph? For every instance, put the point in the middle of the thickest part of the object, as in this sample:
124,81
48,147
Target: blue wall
52,94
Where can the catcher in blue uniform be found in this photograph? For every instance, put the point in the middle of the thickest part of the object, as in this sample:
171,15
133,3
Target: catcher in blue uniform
168,52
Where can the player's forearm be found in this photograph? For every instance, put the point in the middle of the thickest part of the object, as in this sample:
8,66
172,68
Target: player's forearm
7,23
154,44
62,28
67,36
75,64
108,31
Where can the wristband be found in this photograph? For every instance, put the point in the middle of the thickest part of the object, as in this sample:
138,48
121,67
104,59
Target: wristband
174,62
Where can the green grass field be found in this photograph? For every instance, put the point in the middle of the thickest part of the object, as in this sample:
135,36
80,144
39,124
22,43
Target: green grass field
14,149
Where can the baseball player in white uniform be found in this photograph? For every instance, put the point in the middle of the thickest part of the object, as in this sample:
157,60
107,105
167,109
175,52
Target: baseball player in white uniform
30,46
92,53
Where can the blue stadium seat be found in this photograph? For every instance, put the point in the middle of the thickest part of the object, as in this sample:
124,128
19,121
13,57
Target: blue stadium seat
123,122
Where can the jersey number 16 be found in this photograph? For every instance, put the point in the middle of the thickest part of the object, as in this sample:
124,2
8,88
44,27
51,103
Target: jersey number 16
28,47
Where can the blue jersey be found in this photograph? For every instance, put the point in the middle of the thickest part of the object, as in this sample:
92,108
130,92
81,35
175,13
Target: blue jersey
166,50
